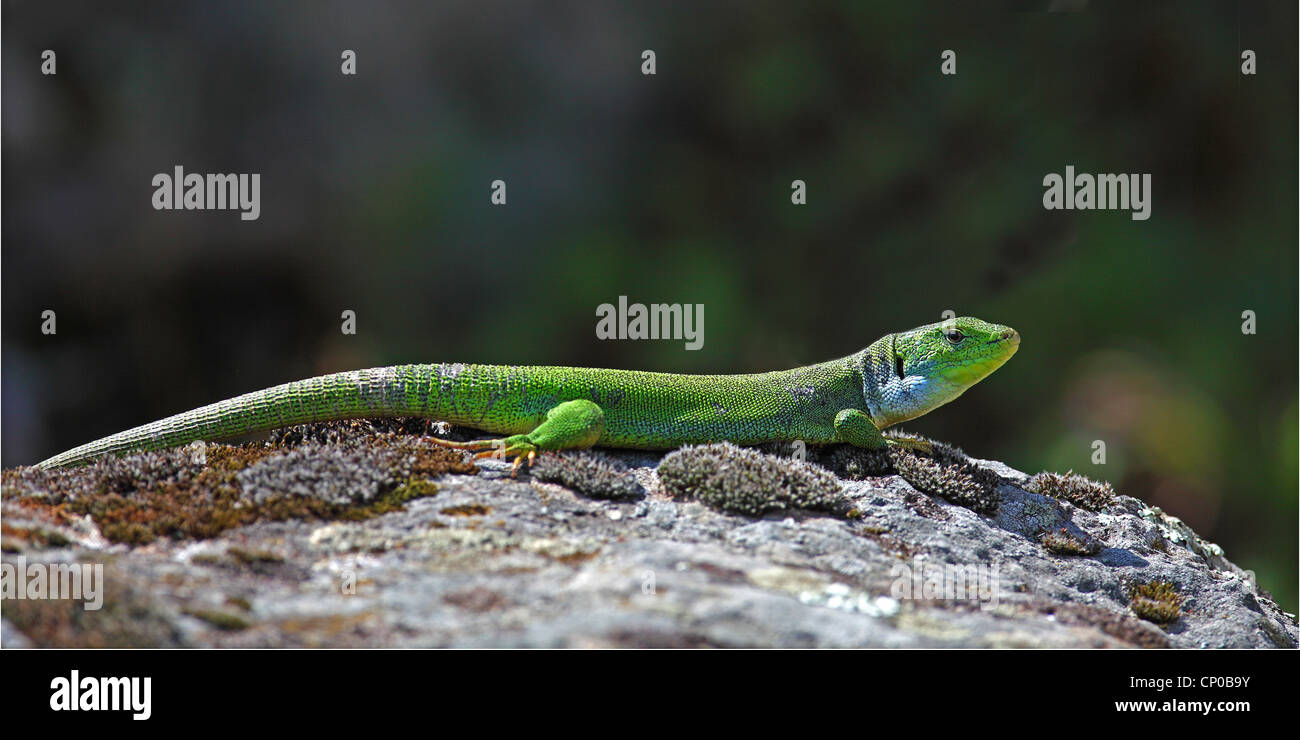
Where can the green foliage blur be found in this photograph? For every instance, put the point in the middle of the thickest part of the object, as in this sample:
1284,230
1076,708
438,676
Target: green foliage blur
924,195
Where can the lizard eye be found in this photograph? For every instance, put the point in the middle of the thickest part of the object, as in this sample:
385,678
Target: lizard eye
954,336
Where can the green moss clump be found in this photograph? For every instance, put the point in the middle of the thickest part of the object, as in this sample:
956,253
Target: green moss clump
1077,489
1157,601
734,479
415,488
13,538
223,621
467,510
395,500
591,474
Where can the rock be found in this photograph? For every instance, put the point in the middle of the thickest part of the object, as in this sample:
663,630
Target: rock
487,560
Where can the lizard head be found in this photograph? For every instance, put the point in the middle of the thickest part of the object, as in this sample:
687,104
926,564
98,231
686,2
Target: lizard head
936,363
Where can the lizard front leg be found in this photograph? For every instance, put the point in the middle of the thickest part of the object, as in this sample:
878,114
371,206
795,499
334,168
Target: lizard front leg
855,427
572,425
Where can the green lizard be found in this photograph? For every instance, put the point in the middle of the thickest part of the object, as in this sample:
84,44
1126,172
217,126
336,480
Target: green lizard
898,377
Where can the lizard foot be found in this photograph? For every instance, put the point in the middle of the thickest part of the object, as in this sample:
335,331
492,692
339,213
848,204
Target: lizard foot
922,446
501,448
572,425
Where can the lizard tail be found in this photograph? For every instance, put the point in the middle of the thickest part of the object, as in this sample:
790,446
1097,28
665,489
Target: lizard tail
377,392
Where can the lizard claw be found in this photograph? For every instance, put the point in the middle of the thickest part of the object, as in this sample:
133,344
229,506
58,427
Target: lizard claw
531,455
519,459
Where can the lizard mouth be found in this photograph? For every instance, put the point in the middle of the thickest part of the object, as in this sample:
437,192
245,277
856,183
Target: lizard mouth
1010,335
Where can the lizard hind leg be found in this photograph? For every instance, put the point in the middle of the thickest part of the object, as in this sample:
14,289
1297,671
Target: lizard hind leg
572,425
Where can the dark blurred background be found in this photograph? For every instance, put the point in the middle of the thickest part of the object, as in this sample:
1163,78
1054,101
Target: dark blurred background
924,194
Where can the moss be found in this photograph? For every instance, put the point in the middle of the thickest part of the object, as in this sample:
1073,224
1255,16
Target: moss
1120,626
338,475
414,488
963,484
128,533
591,474
941,452
1077,489
11,537
254,557
730,478
224,621
352,431
396,499
942,469
467,510
141,497
576,558
845,461
855,463
1062,542
1157,601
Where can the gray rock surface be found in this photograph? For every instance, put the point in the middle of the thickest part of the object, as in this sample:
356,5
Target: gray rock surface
488,561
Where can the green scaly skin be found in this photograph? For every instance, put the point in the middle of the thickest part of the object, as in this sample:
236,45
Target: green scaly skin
899,377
